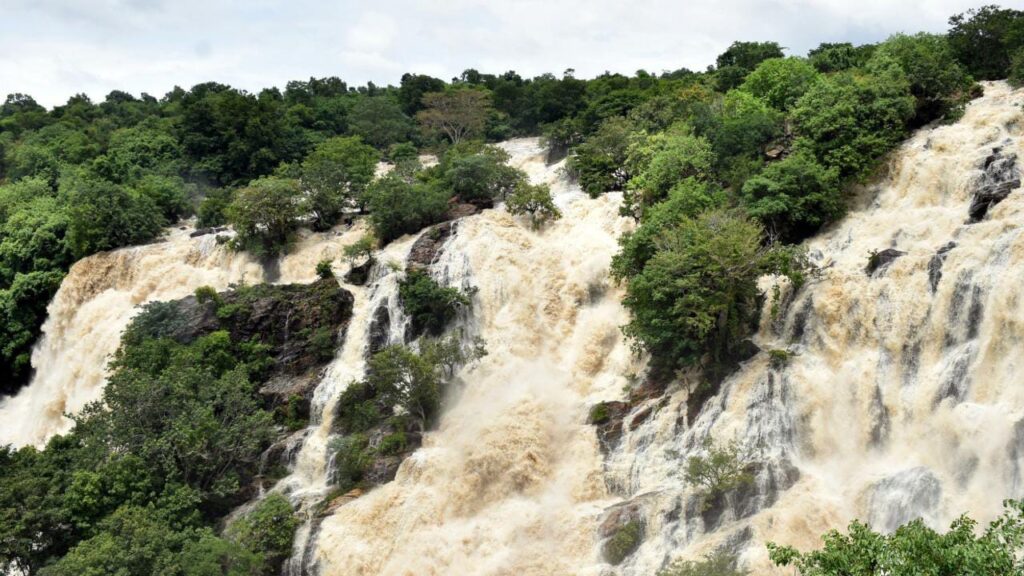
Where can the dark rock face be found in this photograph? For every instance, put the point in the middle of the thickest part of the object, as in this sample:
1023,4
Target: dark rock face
360,275
935,265
622,531
380,329
302,324
1000,176
428,246
880,260
769,480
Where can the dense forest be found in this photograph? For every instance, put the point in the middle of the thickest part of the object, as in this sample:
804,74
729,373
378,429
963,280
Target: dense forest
725,170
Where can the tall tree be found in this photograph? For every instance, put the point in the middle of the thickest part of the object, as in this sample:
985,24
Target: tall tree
457,114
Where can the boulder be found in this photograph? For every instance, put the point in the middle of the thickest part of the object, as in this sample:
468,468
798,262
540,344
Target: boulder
428,246
360,275
999,177
935,265
880,260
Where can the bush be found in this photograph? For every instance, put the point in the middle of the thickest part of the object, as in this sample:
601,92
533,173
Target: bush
481,176
399,205
795,197
266,213
268,530
916,549
939,84
352,458
324,270
624,542
430,306
720,471
362,248
534,201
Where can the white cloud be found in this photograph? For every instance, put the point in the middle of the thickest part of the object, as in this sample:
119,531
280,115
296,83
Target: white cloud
55,48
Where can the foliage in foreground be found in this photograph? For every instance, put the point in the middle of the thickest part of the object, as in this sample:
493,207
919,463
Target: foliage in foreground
915,549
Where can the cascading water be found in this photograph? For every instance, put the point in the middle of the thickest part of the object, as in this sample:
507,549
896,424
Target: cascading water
510,482
898,400
902,397
103,292
310,479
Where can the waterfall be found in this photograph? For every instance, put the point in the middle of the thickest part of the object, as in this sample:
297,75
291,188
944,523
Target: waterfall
511,481
903,396
102,293
310,479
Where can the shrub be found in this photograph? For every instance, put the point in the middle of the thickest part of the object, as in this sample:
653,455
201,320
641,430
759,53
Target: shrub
718,472
268,531
352,459
399,205
324,270
205,294
362,248
624,542
430,305
534,201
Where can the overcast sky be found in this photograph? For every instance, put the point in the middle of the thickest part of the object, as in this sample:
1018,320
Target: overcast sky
52,49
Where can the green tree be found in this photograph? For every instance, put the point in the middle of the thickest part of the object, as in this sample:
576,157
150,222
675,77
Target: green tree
103,216
457,114
430,306
267,531
335,175
849,120
795,197
717,472
379,121
984,39
480,176
916,549
666,160
400,205
836,57
780,81
939,84
697,294
266,213
599,163
535,201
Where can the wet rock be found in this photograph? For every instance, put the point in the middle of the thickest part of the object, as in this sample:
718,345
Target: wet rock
332,506
360,275
622,530
999,177
1015,453
205,231
880,260
902,497
608,418
302,323
428,246
879,418
769,479
935,265
380,329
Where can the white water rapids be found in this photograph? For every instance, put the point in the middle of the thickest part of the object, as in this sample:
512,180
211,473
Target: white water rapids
900,400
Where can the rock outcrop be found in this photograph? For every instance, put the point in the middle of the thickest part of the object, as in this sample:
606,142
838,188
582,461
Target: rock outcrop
999,177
